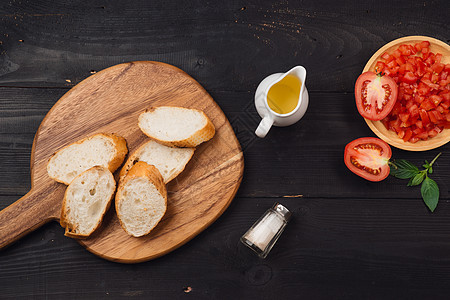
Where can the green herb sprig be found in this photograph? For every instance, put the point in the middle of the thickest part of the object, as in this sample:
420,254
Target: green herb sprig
403,169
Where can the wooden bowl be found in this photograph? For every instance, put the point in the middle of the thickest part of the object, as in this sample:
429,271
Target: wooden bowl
390,137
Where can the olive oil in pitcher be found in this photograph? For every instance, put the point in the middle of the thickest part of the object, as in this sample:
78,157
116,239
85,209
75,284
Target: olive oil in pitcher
283,96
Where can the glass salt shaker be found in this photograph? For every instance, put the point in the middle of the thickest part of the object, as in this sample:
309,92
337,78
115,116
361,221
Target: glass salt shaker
265,232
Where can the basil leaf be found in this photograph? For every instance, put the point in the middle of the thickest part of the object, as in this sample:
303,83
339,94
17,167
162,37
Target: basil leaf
403,169
430,193
403,174
416,180
404,164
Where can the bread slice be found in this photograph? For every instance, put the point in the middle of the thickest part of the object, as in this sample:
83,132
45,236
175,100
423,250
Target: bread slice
101,149
141,199
168,160
176,126
86,201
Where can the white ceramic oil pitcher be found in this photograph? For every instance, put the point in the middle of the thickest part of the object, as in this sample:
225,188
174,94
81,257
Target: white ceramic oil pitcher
269,116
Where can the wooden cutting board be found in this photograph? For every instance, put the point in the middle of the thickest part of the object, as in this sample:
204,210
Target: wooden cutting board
111,101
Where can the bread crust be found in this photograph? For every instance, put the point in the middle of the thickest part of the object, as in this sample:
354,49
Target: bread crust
134,157
121,151
149,172
70,228
204,134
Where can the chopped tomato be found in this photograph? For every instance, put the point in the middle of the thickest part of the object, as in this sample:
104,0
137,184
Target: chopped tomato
408,135
424,116
400,60
387,57
368,157
427,104
419,125
405,50
428,82
436,99
414,110
432,133
423,135
409,78
375,95
441,110
404,117
437,67
422,108
435,116
423,89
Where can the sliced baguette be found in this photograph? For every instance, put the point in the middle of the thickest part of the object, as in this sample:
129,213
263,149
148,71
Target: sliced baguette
176,126
86,201
168,160
141,199
107,150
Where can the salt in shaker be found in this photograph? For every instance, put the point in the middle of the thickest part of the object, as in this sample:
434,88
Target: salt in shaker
265,232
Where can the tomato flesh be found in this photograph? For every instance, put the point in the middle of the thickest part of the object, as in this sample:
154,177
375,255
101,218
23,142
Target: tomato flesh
375,95
368,157
423,100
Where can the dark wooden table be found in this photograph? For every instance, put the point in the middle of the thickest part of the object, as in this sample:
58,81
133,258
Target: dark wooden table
348,239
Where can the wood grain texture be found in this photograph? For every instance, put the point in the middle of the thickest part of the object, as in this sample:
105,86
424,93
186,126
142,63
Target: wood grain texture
348,239
231,46
30,212
110,101
305,158
326,244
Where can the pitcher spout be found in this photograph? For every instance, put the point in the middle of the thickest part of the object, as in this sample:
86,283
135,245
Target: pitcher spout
299,72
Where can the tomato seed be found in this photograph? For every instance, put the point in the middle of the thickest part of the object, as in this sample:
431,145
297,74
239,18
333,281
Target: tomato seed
365,101
369,146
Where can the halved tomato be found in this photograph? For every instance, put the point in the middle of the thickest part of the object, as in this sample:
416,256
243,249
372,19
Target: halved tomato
375,95
368,157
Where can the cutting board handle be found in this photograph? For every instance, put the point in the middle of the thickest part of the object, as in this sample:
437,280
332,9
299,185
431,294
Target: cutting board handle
23,216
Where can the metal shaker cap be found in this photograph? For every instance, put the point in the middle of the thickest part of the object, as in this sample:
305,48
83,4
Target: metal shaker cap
282,210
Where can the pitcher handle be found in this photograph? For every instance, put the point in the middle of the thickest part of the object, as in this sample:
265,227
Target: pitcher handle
264,126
